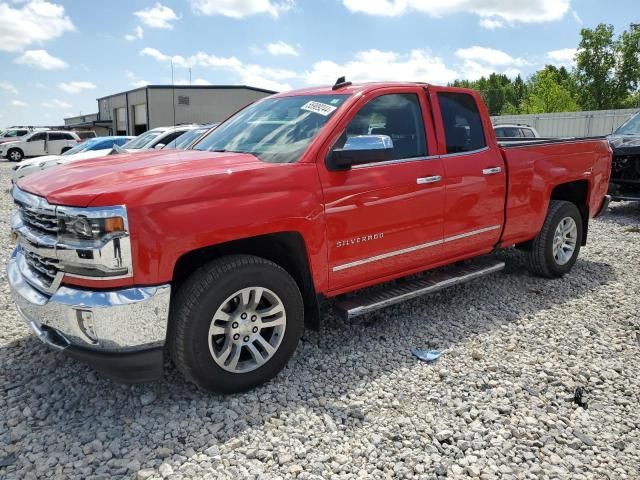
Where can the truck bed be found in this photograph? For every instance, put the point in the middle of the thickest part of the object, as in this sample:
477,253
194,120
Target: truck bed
534,169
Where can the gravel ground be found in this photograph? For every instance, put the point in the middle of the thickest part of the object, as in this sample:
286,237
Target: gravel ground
354,403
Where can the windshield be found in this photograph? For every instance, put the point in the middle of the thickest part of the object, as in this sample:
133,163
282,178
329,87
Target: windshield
10,133
77,149
276,130
141,140
631,127
82,147
186,139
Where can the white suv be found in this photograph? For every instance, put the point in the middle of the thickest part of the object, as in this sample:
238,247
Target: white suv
51,142
515,131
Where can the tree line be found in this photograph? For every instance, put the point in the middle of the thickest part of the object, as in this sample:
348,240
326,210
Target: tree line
606,76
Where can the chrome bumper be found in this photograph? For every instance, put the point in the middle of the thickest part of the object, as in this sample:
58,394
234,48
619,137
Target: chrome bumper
113,321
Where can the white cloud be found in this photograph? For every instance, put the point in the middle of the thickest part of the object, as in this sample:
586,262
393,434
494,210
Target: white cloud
138,34
498,11
576,17
8,87
491,23
76,87
282,48
136,81
34,22
55,103
375,65
490,56
249,74
563,56
241,8
158,16
41,59
483,61
19,103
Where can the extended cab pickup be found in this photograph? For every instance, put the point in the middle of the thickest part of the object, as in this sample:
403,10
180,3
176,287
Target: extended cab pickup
220,255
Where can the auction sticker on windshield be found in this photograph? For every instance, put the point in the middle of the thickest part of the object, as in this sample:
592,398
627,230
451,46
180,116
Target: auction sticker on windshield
318,107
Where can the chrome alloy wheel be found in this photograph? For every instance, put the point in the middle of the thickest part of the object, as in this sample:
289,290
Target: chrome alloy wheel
15,156
247,329
565,240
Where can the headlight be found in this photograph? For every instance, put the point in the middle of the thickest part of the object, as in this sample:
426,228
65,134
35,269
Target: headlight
94,242
85,228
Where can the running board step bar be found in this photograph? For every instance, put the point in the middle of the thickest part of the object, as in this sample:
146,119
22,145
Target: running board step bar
354,306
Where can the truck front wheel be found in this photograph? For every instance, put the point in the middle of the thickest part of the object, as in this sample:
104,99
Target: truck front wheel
554,251
235,323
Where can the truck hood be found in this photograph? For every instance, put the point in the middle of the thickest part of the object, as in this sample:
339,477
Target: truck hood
623,145
79,183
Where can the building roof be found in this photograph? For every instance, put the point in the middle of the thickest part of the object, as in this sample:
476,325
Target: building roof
192,87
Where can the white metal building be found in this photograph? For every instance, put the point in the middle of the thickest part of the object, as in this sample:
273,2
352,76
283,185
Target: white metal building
571,124
136,111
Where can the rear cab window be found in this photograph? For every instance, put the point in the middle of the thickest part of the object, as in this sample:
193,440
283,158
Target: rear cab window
462,122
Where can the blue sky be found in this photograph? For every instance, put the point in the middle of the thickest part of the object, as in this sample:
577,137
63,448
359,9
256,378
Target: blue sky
57,57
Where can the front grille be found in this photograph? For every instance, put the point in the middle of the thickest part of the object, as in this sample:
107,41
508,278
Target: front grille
45,268
40,220
39,229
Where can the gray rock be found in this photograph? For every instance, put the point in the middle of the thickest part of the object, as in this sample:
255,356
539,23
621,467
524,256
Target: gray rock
147,398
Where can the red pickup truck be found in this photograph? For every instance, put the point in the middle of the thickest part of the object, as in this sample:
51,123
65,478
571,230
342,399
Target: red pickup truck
220,255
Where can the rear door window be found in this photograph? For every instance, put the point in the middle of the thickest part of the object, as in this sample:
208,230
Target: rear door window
528,133
462,122
38,136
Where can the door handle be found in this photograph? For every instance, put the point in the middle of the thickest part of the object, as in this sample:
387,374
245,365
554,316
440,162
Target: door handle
491,171
425,180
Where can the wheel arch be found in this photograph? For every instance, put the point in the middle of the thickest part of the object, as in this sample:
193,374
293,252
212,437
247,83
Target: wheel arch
286,249
10,149
576,192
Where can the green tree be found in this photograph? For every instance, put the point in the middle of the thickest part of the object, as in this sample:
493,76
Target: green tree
607,69
549,92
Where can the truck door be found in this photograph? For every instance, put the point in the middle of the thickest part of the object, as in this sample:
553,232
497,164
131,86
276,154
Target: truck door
474,171
384,217
34,146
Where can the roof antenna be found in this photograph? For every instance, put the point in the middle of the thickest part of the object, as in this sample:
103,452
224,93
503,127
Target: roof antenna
340,83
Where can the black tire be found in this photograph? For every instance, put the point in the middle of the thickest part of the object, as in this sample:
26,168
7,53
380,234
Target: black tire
540,258
15,155
65,149
196,303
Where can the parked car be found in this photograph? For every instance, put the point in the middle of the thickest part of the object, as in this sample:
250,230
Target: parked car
12,134
515,131
156,138
50,142
85,134
188,138
625,175
94,148
222,253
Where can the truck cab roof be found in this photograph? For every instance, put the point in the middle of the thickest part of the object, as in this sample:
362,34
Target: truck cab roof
349,89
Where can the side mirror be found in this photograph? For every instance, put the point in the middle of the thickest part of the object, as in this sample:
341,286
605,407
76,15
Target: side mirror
360,149
159,146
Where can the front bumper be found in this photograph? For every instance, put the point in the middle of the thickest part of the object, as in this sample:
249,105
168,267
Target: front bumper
119,332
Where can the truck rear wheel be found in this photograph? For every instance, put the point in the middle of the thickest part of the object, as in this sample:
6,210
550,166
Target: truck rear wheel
235,323
554,251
